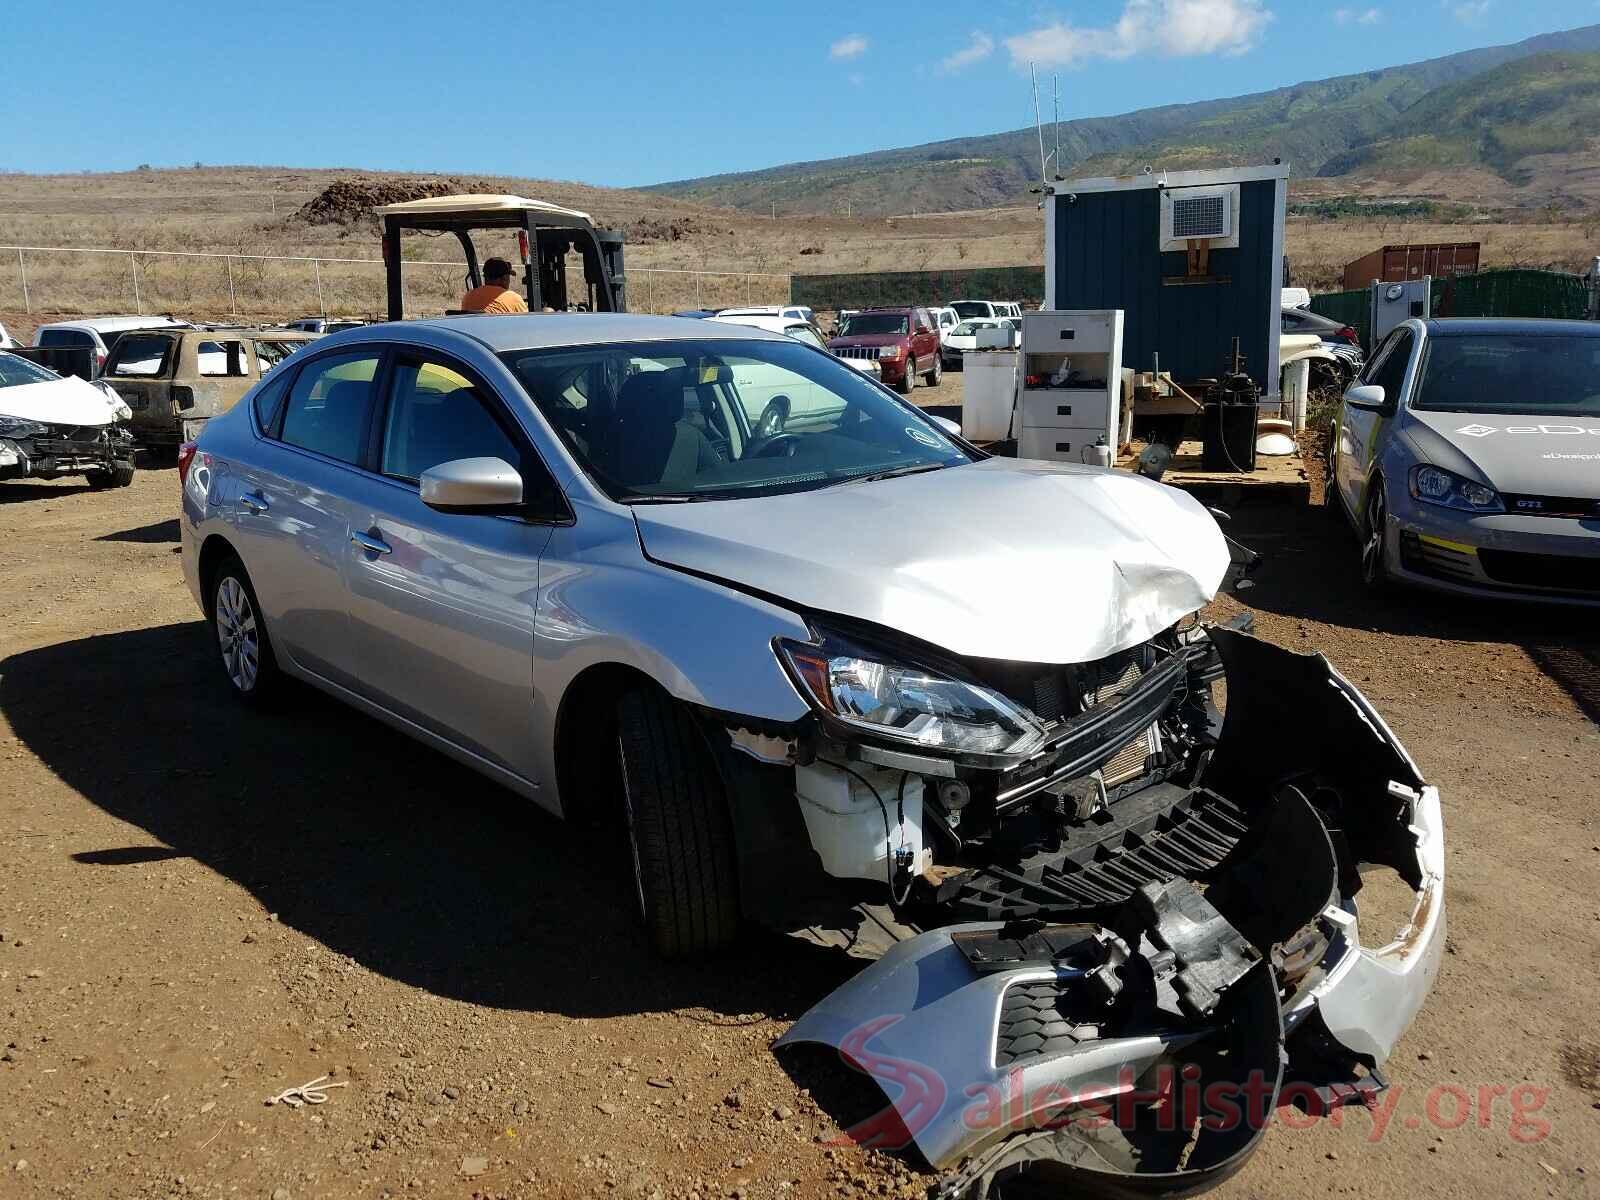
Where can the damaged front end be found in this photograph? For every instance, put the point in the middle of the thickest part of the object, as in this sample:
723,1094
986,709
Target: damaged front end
1140,919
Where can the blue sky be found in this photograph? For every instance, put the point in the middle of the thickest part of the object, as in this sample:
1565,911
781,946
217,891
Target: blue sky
631,93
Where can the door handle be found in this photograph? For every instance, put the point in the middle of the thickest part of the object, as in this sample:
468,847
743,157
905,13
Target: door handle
371,544
254,502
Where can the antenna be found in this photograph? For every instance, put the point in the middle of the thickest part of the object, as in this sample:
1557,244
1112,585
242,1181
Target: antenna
1057,92
1038,125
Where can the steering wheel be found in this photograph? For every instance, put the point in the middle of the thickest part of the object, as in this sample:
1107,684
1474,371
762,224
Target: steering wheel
782,445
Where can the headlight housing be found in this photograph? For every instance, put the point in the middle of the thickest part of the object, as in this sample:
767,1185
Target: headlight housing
905,703
1435,485
890,352
15,427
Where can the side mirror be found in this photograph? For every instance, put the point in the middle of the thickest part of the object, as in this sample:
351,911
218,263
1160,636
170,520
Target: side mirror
946,424
471,483
1367,395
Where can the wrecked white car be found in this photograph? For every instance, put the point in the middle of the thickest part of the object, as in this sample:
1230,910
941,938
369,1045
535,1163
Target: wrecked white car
817,654
53,425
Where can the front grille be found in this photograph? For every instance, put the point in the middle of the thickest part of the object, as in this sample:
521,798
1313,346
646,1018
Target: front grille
1552,506
1036,1020
857,352
1558,572
1427,556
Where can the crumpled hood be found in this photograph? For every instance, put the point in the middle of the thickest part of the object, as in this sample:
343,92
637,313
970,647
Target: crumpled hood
65,401
1520,454
1005,558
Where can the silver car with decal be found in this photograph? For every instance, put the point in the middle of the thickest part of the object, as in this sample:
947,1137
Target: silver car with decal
800,657
1467,456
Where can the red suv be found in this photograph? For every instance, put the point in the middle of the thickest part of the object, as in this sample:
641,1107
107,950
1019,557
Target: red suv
905,341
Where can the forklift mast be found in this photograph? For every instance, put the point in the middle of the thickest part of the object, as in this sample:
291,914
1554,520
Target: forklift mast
545,236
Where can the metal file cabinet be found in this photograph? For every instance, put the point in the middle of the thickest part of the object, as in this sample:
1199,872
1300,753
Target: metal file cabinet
1061,421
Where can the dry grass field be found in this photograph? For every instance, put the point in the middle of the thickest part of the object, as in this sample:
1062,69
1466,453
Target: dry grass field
679,254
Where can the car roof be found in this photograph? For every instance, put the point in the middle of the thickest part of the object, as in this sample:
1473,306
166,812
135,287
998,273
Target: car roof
1449,326
533,331
761,321
117,324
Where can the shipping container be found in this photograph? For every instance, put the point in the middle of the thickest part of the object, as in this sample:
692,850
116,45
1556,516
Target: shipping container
1396,264
1193,258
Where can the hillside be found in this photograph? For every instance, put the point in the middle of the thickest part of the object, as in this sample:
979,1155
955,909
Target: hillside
1329,127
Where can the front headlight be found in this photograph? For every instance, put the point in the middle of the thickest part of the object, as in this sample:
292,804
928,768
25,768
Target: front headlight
909,704
890,352
1434,485
16,427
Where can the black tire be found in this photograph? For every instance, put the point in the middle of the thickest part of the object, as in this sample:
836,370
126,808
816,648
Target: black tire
122,472
100,480
1330,483
937,373
908,381
677,825
1374,538
239,636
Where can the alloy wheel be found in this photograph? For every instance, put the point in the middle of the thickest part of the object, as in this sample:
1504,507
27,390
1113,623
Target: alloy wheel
1377,526
237,636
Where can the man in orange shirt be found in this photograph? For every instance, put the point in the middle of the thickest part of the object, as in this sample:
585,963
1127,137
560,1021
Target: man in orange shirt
495,296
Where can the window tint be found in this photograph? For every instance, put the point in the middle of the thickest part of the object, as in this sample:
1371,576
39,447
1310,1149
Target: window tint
139,354
268,400
65,337
328,405
1392,373
436,415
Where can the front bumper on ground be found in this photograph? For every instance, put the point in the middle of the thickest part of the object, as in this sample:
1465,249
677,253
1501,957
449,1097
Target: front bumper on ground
1505,555
1226,960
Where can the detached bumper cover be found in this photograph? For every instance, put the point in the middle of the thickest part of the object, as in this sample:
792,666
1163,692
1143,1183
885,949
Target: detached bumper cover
1060,1061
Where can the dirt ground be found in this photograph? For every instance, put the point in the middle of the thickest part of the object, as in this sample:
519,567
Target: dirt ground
200,908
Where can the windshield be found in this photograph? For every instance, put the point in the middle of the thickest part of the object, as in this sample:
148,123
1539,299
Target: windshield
14,372
971,308
968,328
717,419
1533,373
872,323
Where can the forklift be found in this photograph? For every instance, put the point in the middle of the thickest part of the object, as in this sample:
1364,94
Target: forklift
546,233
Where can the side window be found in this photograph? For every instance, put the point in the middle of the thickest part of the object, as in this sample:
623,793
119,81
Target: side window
222,358
329,403
140,354
436,415
1391,373
268,401
270,354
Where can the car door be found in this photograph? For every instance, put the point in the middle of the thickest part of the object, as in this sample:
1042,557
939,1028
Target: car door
442,604
291,505
224,372
1361,430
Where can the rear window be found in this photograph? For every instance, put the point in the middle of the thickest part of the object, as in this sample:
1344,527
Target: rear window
65,337
1535,374
222,358
140,355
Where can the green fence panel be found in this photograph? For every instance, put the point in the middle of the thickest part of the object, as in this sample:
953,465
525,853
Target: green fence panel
1512,293
865,289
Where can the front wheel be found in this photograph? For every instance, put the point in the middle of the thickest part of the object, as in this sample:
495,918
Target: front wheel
1374,568
680,838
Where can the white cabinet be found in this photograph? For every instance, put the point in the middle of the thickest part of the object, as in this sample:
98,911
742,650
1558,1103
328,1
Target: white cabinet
1070,383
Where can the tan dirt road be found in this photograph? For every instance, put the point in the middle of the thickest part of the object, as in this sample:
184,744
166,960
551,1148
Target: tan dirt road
202,907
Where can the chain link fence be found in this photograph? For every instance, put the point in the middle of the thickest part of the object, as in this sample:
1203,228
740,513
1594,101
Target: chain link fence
214,284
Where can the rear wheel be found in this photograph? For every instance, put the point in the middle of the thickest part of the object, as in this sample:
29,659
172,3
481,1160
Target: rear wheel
240,636
679,836
938,371
909,381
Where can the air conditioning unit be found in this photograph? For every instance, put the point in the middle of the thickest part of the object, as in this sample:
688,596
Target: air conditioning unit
1191,213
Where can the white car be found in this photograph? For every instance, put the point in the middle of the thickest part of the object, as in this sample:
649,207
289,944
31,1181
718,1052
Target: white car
964,337
96,334
53,425
945,319
800,330
791,312
7,342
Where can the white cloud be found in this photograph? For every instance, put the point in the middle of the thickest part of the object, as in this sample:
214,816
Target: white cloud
853,46
1171,28
978,49
1471,12
1357,16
